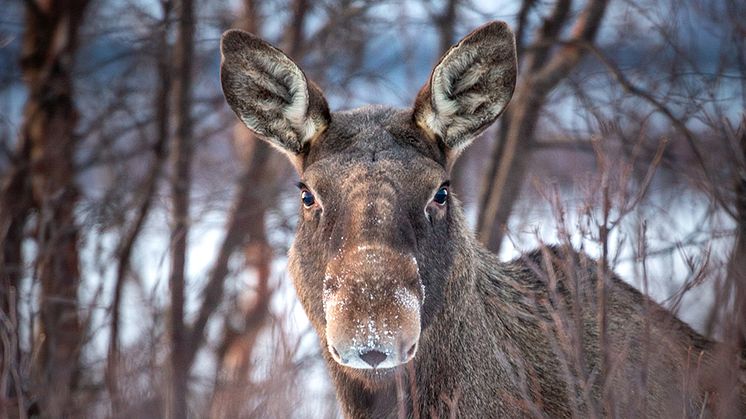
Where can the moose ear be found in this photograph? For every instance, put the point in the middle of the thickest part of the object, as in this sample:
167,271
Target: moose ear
270,93
470,86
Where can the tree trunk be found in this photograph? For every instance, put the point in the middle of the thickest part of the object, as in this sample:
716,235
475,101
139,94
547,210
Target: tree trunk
176,406
737,267
48,133
735,322
508,166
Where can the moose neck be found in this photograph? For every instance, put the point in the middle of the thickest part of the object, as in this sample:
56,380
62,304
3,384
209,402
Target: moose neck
451,347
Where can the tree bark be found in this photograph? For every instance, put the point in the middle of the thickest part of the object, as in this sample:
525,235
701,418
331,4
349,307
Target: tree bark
48,145
739,256
176,406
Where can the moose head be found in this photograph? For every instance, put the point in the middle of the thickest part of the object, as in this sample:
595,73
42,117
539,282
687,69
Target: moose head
379,228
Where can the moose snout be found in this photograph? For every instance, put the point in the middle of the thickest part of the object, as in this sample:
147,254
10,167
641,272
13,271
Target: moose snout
376,345
372,302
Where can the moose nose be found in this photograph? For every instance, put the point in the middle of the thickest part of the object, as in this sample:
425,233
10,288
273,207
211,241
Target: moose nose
373,357
379,357
372,299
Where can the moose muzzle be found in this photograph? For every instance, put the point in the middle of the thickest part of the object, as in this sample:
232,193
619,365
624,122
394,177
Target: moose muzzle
372,300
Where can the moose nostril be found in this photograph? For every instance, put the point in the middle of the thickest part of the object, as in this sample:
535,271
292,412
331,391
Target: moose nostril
411,351
335,353
373,357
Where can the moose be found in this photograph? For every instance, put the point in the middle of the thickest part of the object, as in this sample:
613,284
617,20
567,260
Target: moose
416,318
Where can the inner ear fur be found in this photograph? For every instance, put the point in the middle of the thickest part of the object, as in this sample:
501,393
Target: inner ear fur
469,88
270,93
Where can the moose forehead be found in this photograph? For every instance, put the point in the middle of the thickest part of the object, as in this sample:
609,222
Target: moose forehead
412,149
375,143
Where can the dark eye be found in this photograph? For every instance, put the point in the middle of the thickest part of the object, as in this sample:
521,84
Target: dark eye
307,198
441,196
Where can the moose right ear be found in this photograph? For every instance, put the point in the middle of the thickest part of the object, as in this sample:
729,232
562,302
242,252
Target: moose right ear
469,88
270,93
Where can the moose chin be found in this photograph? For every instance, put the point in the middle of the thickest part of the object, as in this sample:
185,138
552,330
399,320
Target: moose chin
414,316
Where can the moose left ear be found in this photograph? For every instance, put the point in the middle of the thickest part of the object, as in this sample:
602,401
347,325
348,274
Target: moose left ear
270,93
470,86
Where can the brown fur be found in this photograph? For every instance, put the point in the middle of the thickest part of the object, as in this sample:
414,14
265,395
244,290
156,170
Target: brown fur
495,339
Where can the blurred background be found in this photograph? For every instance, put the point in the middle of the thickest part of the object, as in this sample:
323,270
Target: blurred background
144,231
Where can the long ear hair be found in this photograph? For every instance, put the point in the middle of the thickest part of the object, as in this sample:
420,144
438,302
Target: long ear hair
270,93
469,88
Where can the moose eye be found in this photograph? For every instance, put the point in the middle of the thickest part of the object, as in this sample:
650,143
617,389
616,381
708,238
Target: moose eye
441,196
307,198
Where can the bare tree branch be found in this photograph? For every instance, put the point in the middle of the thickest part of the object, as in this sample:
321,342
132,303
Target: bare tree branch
124,251
662,108
504,177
